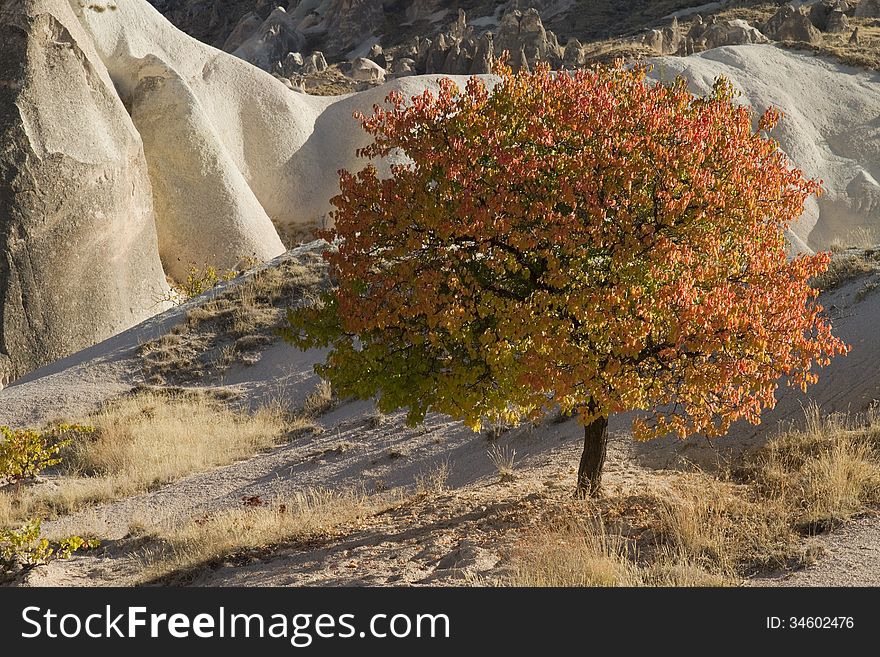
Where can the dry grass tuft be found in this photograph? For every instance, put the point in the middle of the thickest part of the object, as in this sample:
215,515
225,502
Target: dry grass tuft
319,401
843,269
302,516
586,553
433,481
145,440
503,459
151,438
825,473
702,528
721,528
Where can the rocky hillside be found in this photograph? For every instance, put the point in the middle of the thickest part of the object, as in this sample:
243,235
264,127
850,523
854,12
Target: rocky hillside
331,46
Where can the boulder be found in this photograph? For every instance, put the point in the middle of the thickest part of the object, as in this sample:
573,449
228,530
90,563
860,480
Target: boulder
829,15
792,24
366,70
292,63
78,248
837,22
404,66
277,36
573,56
314,63
715,34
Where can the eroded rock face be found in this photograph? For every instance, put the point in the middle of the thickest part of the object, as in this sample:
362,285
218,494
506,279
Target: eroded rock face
206,213
276,36
792,24
715,34
524,32
341,24
78,247
830,15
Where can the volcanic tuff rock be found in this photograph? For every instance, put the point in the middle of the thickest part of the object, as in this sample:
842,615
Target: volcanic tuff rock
78,258
792,24
268,44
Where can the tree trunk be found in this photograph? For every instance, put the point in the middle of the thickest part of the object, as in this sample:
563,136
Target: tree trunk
593,458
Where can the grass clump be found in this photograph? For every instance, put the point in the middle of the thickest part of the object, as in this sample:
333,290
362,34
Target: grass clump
843,269
234,326
297,517
826,472
142,441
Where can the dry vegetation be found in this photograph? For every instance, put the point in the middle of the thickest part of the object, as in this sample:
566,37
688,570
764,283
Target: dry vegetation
143,441
257,526
702,529
234,326
845,267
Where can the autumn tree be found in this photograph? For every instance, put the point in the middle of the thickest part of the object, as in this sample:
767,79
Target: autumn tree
588,241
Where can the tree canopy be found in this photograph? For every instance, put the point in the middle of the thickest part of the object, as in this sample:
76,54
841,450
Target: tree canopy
588,240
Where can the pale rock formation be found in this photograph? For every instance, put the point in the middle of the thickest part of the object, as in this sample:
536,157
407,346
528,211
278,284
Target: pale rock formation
277,36
404,66
715,34
314,63
573,54
248,25
366,70
342,24
666,41
837,22
524,32
78,256
194,179
830,15
222,113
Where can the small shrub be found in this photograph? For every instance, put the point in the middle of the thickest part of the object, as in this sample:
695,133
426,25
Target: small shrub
320,401
198,281
22,549
25,453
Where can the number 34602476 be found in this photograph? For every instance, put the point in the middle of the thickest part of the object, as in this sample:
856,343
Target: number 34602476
810,622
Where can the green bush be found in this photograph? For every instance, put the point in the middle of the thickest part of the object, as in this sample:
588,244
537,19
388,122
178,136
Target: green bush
25,453
22,549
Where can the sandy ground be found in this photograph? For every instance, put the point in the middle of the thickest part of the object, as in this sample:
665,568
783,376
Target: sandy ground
464,534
